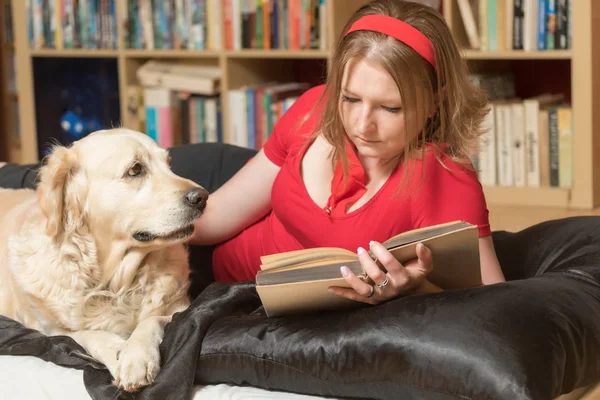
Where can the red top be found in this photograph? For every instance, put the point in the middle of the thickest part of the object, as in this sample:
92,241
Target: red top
296,222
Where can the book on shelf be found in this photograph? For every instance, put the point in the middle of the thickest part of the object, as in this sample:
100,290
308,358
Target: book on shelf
297,281
530,25
198,79
466,12
520,144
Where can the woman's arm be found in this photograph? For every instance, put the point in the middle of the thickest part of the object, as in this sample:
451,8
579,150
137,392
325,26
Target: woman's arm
240,202
490,267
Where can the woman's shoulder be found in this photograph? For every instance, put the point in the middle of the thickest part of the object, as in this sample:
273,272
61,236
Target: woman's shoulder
438,172
436,158
307,100
296,124
302,107
313,93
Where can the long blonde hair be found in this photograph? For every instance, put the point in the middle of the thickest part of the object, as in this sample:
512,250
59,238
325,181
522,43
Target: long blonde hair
442,100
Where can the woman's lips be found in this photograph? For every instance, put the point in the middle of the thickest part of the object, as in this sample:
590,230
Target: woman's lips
367,140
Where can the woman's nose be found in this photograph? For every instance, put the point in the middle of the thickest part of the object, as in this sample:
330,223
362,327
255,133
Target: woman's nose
365,120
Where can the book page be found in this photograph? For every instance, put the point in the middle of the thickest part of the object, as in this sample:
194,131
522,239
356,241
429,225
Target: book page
420,234
289,258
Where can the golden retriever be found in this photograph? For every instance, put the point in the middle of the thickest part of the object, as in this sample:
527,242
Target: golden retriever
97,253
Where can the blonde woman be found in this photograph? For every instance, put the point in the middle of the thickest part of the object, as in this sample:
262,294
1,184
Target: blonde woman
381,148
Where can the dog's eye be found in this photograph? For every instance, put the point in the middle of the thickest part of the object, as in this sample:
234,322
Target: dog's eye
135,170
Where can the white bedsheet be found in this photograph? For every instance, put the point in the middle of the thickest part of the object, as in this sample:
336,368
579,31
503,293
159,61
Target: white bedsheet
30,378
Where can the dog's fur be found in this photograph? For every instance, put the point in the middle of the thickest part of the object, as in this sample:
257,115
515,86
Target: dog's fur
97,254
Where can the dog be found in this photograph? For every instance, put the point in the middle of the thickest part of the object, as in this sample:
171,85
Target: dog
97,251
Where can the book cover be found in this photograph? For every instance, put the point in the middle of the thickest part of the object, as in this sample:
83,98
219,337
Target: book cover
297,281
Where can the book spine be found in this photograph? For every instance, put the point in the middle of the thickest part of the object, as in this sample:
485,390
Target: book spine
550,24
518,20
553,134
518,144
565,148
541,25
152,123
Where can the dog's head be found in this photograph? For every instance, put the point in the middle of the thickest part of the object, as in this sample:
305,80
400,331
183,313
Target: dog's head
118,184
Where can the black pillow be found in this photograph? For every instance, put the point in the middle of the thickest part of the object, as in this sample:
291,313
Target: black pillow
535,337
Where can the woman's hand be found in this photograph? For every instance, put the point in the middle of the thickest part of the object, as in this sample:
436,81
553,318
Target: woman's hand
399,280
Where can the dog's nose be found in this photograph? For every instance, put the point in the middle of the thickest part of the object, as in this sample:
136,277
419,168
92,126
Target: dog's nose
197,198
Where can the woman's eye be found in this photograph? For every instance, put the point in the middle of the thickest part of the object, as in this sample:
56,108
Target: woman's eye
349,99
135,170
393,110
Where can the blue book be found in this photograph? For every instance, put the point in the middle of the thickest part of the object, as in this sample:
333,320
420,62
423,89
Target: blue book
152,123
542,7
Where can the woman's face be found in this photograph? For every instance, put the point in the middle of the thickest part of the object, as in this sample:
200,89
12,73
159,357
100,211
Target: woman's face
371,110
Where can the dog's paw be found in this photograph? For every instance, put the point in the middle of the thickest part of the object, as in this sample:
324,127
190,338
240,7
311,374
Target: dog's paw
137,366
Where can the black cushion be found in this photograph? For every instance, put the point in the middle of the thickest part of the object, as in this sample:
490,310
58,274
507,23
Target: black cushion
534,337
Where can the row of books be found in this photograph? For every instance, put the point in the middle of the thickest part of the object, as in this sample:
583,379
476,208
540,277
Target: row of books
232,24
517,24
89,24
174,117
175,24
276,24
254,110
527,143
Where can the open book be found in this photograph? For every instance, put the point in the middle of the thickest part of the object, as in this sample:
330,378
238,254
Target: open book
297,281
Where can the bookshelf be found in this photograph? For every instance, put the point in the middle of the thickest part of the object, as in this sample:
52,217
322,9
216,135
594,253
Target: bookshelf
251,66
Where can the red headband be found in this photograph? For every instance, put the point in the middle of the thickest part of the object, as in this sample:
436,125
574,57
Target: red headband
397,29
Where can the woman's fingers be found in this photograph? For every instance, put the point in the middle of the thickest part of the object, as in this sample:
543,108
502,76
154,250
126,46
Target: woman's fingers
398,276
398,280
404,277
425,259
358,291
371,268
420,268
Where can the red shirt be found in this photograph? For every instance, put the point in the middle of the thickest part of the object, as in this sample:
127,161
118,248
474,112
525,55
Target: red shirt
297,222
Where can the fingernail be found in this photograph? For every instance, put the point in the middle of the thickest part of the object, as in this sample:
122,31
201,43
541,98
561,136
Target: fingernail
345,271
420,246
330,290
371,243
360,250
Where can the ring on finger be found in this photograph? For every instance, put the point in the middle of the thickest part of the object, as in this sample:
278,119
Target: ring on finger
384,283
372,291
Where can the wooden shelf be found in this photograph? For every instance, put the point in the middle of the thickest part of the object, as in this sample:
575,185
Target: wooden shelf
68,53
247,53
252,53
166,53
528,196
180,53
517,55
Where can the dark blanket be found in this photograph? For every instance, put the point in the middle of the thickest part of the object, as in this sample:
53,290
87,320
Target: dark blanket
534,337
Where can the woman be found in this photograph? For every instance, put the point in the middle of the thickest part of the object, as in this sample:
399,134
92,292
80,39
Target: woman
381,148
396,117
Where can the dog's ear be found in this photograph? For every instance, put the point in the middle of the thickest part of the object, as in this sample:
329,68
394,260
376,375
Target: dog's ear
59,197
